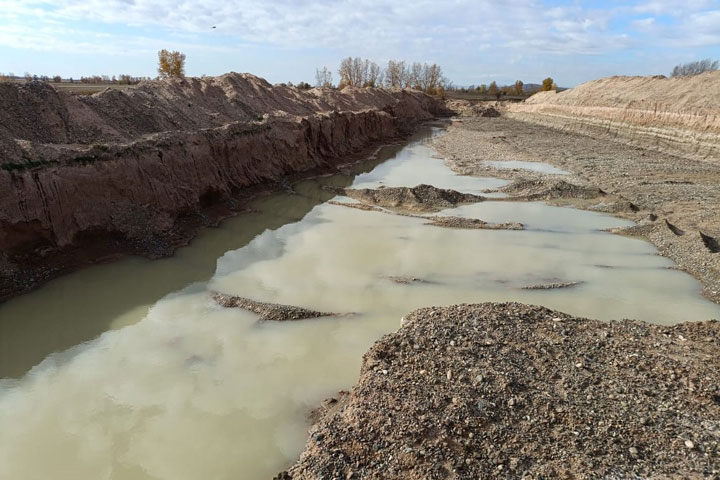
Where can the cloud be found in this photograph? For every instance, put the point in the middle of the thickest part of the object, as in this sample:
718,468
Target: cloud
468,37
362,27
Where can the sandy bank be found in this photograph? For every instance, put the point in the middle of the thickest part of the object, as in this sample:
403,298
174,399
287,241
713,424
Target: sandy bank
671,115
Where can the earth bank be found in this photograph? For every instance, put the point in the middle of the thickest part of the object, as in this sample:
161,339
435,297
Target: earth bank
88,178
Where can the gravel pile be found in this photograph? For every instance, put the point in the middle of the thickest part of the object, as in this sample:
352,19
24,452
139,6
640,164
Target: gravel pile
422,198
472,223
517,391
268,311
551,286
550,189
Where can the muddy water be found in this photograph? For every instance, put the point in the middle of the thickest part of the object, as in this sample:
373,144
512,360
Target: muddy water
179,388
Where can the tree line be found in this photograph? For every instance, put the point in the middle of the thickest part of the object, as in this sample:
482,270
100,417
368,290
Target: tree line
517,89
694,68
122,79
359,72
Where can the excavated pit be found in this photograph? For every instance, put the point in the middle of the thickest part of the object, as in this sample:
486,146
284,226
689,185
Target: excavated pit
152,164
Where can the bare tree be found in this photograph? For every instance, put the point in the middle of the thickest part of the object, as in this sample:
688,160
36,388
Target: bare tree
396,74
373,75
323,78
695,68
358,72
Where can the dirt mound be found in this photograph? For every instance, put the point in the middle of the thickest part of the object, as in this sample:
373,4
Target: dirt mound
472,223
680,115
467,108
422,198
518,391
268,311
542,189
36,112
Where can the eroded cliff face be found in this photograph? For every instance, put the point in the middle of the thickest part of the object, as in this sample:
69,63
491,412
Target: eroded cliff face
675,115
139,170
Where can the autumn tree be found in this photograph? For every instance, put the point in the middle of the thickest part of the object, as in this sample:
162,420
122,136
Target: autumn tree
323,78
171,64
547,85
518,90
358,72
493,89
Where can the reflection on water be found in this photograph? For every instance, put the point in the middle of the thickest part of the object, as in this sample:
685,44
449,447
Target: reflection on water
194,390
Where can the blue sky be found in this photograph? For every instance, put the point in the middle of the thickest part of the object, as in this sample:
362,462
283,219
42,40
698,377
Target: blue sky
475,41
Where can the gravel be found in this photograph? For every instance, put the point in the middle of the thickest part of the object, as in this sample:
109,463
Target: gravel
268,311
518,391
646,186
472,223
422,198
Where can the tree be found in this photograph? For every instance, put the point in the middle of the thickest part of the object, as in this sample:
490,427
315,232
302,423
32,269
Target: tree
493,89
547,85
518,88
171,64
357,72
695,68
323,78
396,74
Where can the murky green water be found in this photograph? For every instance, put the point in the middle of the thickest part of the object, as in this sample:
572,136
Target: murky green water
178,388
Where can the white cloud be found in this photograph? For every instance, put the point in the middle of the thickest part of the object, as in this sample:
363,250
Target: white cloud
362,27
467,37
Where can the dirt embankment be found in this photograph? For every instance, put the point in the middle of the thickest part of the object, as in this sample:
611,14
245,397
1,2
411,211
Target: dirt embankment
672,115
85,178
518,391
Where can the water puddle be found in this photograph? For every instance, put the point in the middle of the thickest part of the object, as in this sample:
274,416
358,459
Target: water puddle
184,389
539,167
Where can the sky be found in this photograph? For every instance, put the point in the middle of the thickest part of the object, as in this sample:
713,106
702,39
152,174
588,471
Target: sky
474,41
